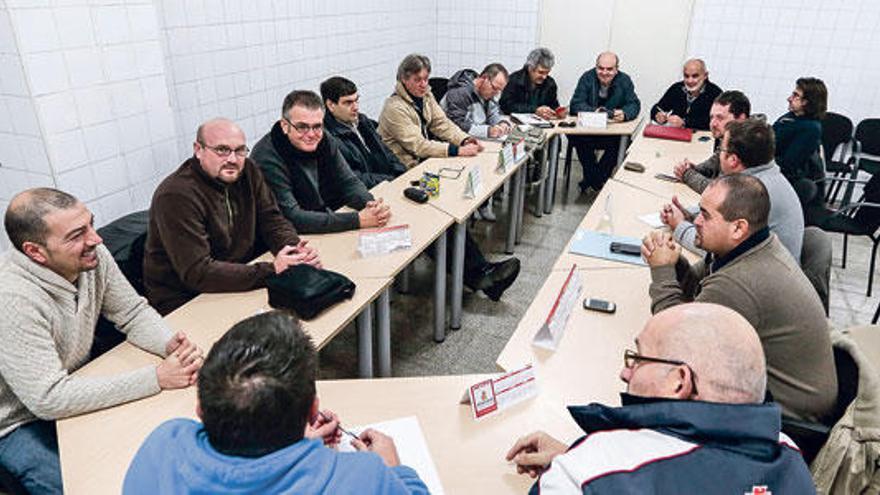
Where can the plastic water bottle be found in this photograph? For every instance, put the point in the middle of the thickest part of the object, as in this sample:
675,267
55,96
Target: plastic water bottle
606,223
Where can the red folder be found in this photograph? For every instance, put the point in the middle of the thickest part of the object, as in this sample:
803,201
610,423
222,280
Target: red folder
672,133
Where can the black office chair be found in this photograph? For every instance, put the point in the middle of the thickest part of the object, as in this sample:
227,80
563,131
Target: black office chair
809,436
861,218
837,135
866,142
438,86
125,239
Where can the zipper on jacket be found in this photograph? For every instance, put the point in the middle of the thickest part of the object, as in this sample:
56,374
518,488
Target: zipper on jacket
228,207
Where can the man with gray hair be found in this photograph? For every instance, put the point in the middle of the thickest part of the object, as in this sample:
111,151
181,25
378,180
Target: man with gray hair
695,398
413,125
687,102
531,89
54,284
750,271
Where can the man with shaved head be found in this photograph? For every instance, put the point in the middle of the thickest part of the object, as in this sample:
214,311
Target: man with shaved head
210,218
53,287
687,102
602,89
693,419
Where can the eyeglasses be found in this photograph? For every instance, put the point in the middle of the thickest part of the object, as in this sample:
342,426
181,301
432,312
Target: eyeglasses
302,128
796,95
631,358
225,151
496,89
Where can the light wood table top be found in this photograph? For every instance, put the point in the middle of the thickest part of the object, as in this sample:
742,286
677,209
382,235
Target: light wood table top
451,199
585,367
338,251
660,156
97,448
613,128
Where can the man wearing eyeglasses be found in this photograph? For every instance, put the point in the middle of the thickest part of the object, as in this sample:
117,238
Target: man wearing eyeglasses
470,101
210,218
750,271
693,419
308,174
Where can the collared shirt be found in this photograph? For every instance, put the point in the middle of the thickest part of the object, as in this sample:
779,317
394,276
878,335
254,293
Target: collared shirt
692,98
758,237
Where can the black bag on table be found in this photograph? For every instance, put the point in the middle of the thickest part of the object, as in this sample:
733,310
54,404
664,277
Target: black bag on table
308,290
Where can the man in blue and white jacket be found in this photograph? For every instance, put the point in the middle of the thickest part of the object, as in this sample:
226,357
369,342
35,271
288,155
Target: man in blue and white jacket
692,421
261,430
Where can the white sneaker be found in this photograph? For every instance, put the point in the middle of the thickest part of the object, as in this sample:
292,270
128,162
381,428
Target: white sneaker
486,212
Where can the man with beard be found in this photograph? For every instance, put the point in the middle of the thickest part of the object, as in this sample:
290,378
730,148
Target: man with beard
210,218
687,102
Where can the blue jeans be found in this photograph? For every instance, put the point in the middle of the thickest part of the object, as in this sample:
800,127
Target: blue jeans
30,453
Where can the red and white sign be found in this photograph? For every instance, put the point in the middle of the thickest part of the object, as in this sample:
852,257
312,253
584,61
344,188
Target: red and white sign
496,394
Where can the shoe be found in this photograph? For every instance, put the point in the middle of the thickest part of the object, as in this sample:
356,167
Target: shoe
481,280
486,212
503,275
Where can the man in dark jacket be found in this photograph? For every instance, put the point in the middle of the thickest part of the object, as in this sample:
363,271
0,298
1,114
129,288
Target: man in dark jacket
604,89
687,102
531,89
308,174
693,419
209,219
361,146
340,96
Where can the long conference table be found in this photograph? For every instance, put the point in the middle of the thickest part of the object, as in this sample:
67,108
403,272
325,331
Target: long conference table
96,448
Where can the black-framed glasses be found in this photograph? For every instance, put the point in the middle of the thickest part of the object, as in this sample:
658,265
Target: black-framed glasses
631,358
224,151
302,128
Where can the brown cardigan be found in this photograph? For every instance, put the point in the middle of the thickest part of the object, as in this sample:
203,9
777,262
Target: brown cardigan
203,233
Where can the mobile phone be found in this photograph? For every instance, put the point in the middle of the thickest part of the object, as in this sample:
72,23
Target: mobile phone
624,248
667,177
634,167
600,305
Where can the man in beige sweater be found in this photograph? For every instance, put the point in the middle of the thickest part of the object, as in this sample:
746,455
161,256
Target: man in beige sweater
413,125
53,287
750,271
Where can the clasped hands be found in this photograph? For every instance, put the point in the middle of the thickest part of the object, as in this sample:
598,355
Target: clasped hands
660,249
295,255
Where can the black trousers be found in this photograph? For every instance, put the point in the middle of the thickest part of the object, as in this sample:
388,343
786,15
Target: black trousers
595,174
474,261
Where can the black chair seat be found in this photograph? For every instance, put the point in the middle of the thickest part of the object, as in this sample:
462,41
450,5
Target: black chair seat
843,224
837,167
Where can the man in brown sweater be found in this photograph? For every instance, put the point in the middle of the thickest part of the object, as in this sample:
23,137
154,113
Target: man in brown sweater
750,271
210,218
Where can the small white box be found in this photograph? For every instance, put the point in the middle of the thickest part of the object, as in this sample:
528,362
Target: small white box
596,120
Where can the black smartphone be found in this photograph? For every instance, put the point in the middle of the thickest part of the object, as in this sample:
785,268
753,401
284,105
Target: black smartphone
599,305
624,248
667,177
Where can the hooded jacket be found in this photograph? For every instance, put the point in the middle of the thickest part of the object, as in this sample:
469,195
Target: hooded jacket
178,458
464,106
672,446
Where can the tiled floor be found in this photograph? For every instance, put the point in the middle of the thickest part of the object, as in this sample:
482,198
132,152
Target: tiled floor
486,325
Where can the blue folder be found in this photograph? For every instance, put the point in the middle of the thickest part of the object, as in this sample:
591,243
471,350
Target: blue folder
598,245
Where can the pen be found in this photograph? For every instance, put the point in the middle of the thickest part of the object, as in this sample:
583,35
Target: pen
339,426
664,111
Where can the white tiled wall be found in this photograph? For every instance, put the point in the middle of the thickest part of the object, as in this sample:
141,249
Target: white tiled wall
239,58
763,47
95,82
472,35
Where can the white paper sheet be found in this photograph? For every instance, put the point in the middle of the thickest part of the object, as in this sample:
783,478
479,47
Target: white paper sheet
412,449
652,219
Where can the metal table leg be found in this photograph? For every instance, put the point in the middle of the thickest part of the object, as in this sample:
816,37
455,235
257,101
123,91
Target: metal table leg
512,215
365,342
553,159
403,279
624,142
383,322
457,274
440,289
521,201
542,186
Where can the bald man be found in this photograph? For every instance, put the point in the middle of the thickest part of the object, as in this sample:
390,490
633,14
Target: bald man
602,89
54,284
687,103
692,421
210,218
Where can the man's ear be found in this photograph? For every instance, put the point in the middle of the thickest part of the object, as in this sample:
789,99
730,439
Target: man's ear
35,252
741,229
680,383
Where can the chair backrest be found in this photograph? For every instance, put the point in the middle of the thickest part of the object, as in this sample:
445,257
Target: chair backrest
438,87
816,261
125,238
836,130
869,216
868,135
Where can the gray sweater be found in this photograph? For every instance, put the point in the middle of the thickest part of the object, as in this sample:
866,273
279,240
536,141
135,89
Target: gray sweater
464,106
47,326
768,289
786,216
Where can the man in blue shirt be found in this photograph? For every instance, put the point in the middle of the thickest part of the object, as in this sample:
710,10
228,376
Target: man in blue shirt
261,430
